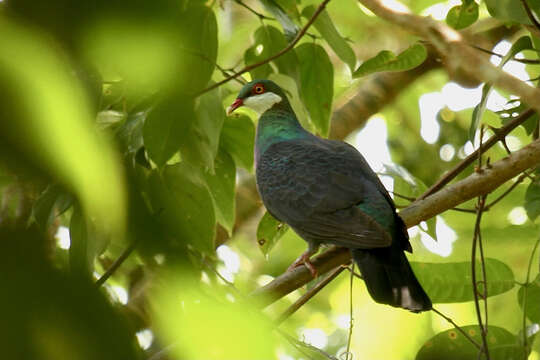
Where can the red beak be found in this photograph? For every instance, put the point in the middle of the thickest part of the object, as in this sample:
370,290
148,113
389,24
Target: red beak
236,104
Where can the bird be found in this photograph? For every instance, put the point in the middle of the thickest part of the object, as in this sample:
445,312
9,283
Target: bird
328,194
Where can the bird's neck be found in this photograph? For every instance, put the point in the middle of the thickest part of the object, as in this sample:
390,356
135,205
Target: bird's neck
275,125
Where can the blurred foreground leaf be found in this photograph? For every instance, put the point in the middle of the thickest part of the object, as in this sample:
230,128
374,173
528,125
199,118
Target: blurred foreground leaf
50,123
217,329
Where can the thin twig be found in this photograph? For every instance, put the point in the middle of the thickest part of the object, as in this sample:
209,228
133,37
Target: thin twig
458,328
351,319
456,170
523,61
518,181
530,14
251,10
525,287
291,45
125,254
483,330
308,295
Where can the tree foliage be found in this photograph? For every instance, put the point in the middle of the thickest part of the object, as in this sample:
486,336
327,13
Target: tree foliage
113,128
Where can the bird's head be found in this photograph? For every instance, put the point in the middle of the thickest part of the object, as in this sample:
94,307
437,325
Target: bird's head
259,95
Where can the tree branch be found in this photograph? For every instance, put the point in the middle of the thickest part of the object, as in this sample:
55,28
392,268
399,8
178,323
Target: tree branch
462,165
459,56
481,182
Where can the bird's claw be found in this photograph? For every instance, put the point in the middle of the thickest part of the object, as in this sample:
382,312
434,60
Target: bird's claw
304,260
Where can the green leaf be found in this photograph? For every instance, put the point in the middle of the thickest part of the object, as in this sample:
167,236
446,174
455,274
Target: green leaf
291,89
166,127
272,41
452,282
289,27
521,44
532,306
201,145
326,28
221,185
452,345
131,133
388,61
511,10
199,28
532,200
316,84
182,203
269,231
238,139
463,15
52,202
250,58
81,260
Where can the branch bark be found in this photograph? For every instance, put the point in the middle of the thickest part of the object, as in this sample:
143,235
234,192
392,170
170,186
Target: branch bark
460,57
481,182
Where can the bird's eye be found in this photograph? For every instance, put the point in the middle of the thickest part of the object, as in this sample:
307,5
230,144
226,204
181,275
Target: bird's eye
259,89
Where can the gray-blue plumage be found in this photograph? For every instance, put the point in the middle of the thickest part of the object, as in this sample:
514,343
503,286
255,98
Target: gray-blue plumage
327,193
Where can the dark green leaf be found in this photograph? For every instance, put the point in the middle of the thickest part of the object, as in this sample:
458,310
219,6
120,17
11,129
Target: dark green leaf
238,138
452,345
201,146
52,202
511,10
270,41
532,306
131,133
388,61
326,27
452,282
81,260
461,16
182,203
166,127
532,200
316,84
269,231
221,186
289,27
250,58
199,27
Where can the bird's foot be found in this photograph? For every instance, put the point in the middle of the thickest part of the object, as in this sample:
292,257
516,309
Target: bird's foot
304,260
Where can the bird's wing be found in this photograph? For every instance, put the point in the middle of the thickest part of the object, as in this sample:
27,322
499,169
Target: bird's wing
317,187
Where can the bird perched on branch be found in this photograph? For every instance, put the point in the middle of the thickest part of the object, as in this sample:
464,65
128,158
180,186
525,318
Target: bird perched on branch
327,193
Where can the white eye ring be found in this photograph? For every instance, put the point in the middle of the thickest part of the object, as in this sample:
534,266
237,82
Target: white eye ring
259,89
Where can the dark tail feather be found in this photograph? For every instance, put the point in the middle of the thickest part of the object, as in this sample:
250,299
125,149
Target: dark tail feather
390,279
